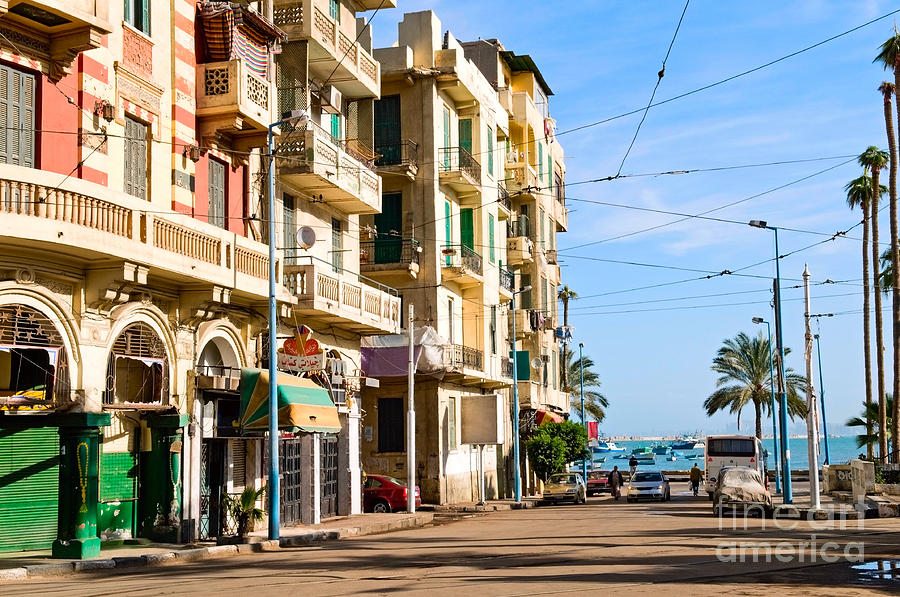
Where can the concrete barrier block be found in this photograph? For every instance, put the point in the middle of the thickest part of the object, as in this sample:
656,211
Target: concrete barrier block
271,545
130,561
222,550
88,565
245,548
13,574
159,559
863,478
191,555
54,569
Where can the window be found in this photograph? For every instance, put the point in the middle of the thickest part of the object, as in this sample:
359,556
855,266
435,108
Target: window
334,9
493,329
525,300
467,228
289,227
448,231
336,126
390,425
450,321
337,246
540,168
491,254
217,193
465,134
387,130
446,164
136,158
558,187
451,423
490,149
137,14
545,287
541,218
389,241
16,117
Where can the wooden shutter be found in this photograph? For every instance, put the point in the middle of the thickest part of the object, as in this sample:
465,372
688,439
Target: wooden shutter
525,297
337,255
289,229
336,126
467,228
448,230
541,161
523,365
217,193
491,237
387,129
446,138
490,148
238,465
465,134
145,16
16,117
389,223
135,158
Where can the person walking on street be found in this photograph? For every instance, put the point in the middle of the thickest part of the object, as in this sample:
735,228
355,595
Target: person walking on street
696,475
615,481
633,463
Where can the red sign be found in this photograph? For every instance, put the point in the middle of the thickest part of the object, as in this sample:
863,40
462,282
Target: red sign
593,430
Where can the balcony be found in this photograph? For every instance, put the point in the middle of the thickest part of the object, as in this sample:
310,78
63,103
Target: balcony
459,170
334,56
522,323
322,166
561,215
506,368
398,256
112,231
57,32
232,101
462,265
504,203
459,357
507,283
521,176
505,95
398,159
519,246
550,256
343,300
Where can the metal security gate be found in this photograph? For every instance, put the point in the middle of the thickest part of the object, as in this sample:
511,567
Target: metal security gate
212,488
29,488
290,462
329,476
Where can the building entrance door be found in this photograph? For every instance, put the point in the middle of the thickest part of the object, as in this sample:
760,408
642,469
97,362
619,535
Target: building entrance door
329,476
289,460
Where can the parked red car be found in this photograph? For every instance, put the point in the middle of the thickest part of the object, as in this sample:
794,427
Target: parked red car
597,482
382,493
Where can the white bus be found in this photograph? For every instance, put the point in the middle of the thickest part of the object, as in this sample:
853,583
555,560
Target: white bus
732,450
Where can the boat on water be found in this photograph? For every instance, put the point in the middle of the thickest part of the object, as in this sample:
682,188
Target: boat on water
688,443
661,450
643,453
671,458
694,457
606,446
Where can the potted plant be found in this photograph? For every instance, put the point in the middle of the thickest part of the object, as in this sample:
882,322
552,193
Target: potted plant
244,510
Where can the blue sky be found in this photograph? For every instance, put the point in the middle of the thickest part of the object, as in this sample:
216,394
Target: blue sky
601,59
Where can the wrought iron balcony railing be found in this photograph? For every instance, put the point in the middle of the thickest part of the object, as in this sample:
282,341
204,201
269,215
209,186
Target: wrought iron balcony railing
461,256
402,153
507,279
457,356
452,159
384,251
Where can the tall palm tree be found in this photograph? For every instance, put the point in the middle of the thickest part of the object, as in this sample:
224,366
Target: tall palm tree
868,411
889,57
859,194
594,401
874,160
565,294
743,363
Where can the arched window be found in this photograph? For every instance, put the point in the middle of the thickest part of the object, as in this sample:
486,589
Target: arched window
33,362
138,369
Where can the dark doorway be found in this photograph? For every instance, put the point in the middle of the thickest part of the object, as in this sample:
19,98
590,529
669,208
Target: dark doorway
329,476
213,486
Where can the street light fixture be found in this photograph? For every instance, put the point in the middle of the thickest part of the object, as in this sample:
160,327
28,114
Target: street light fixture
758,320
515,374
822,386
782,394
292,117
583,421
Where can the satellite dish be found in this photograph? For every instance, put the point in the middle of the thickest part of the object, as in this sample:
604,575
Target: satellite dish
306,237
536,363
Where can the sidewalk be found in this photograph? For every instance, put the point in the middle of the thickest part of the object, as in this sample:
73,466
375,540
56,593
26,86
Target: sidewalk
23,565
489,506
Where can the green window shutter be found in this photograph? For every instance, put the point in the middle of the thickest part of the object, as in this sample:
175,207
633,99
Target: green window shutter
465,134
523,365
16,117
544,289
493,329
334,10
541,219
448,231
541,161
289,223
467,228
389,242
145,16
491,237
446,138
549,174
336,126
490,148
387,129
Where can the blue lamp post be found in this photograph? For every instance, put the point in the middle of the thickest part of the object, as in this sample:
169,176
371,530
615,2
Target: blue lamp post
782,394
292,117
759,320
583,420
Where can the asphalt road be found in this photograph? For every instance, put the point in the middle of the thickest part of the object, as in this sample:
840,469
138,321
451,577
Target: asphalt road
674,548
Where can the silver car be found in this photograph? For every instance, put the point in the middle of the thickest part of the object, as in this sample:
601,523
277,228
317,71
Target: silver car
565,487
648,485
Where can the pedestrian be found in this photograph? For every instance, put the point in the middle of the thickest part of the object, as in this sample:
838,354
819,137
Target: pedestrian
696,475
633,462
615,481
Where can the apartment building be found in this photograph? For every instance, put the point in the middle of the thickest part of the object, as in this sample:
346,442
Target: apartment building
440,240
133,289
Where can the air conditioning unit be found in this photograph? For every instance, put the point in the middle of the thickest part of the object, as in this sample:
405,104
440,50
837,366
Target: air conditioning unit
545,358
331,99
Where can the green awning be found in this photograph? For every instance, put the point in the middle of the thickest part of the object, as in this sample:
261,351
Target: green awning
302,404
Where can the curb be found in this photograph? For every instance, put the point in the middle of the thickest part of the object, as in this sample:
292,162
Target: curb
129,563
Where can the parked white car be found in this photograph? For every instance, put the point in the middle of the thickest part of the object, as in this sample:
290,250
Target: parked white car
648,485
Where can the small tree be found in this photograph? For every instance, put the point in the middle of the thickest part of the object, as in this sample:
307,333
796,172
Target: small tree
573,435
244,509
546,454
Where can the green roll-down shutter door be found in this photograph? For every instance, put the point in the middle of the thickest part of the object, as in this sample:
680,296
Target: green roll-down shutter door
29,488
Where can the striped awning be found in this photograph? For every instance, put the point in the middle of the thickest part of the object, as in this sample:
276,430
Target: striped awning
542,417
303,406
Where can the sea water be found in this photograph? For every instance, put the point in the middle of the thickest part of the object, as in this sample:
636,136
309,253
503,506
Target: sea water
840,450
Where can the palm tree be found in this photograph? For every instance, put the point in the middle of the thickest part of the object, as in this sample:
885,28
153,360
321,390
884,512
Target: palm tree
889,57
243,509
743,363
594,401
868,412
859,194
565,294
874,160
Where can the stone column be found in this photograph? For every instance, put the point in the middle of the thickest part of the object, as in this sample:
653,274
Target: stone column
79,445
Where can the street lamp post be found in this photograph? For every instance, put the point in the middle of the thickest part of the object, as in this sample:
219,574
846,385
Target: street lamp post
759,320
294,116
782,394
515,374
583,420
822,387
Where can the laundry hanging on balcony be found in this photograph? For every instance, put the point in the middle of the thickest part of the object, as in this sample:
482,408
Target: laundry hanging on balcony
303,405
388,355
233,32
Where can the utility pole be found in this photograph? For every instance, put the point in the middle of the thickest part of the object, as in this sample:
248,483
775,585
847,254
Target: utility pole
411,418
811,423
